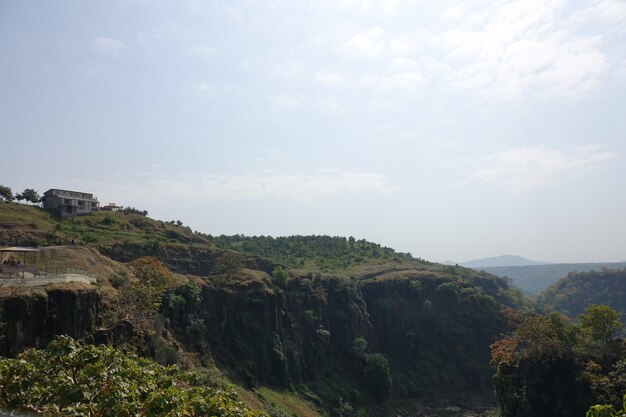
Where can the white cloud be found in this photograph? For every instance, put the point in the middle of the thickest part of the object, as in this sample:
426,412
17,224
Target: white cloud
202,51
364,6
407,82
330,78
526,168
108,44
519,50
454,13
605,12
285,101
212,87
259,185
367,44
293,70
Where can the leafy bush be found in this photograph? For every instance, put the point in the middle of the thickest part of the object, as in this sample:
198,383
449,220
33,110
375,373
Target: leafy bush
280,277
70,379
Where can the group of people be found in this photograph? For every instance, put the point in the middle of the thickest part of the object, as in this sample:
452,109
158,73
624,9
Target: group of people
12,262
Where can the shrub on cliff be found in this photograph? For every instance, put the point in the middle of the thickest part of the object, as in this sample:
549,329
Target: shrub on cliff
377,375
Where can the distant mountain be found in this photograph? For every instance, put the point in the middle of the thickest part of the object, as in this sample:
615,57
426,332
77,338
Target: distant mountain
502,260
536,278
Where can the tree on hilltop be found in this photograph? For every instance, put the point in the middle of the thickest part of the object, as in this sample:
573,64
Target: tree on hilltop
30,195
6,194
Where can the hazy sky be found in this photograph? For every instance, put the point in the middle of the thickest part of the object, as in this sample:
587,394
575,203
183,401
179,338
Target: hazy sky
453,130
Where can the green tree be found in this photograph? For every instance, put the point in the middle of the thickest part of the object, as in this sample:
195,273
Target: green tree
6,194
280,276
600,322
377,375
31,196
140,300
359,346
231,262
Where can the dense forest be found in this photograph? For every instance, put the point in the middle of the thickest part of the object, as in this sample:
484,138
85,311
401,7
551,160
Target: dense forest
572,294
323,253
550,366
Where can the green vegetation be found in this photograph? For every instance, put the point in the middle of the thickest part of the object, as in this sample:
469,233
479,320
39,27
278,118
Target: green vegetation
6,194
552,367
71,379
377,375
29,195
572,294
600,322
607,410
311,253
280,276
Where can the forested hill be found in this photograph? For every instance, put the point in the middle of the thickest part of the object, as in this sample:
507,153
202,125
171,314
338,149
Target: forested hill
536,278
312,253
572,294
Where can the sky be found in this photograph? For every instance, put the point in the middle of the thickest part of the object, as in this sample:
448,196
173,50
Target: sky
451,130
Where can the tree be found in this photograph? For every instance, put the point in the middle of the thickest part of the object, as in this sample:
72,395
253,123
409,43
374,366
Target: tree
600,322
606,410
140,300
31,196
359,346
231,262
377,375
280,276
6,194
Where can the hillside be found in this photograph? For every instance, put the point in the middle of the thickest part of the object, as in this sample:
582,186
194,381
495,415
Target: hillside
350,326
572,294
535,278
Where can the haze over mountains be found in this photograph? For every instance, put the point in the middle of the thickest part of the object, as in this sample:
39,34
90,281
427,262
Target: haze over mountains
534,276
502,260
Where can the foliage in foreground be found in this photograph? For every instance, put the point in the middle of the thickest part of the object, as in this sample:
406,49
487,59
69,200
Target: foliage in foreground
607,410
71,379
551,367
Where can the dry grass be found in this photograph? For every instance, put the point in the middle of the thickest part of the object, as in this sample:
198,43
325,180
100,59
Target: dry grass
288,402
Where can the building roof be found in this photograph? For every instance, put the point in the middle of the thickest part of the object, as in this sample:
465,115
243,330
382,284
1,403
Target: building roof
47,193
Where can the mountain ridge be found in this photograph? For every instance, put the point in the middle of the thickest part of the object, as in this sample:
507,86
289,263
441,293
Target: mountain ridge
501,260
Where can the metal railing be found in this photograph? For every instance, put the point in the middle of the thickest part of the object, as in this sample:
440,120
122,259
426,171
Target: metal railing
42,272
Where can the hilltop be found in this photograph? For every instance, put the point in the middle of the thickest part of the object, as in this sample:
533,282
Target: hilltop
571,294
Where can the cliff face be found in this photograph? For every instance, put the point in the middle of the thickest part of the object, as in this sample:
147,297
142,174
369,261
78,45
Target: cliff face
199,260
435,333
270,336
32,320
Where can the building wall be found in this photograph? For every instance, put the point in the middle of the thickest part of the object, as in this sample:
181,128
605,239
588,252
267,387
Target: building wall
69,203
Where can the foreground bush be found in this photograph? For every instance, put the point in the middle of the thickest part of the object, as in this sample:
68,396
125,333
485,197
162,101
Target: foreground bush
71,379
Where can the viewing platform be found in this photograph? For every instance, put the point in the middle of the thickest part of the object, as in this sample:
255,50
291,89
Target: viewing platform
18,267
